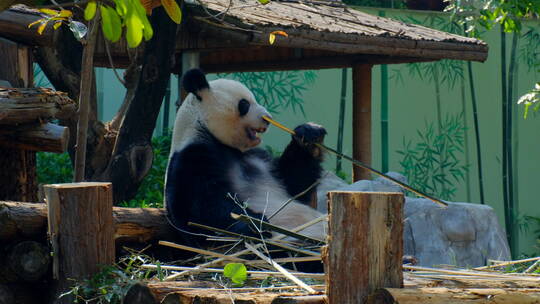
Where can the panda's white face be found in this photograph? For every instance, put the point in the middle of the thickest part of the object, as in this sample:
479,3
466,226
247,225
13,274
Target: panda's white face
231,114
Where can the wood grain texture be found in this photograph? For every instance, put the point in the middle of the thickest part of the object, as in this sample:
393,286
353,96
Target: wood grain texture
361,130
46,137
31,105
80,229
443,295
29,220
364,246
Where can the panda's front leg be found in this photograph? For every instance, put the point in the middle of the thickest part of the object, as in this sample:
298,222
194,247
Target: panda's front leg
300,164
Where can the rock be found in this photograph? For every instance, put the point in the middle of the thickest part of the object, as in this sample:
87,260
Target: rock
463,234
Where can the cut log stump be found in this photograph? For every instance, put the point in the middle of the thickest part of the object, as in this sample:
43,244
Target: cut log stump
81,230
364,246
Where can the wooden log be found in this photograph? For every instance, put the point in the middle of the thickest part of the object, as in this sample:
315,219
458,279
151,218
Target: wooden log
161,289
227,296
14,25
365,244
456,296
46,137
80,229
29,220
27,261
361,119
27,105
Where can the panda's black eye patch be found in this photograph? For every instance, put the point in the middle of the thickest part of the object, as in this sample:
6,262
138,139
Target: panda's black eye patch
243,107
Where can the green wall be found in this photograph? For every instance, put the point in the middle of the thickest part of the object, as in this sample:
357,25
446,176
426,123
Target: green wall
412,103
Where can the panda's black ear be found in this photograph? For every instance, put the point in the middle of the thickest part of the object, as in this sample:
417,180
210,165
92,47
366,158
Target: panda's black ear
194,80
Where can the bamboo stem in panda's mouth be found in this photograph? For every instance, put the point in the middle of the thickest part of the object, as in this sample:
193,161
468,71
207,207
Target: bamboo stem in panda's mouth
361,165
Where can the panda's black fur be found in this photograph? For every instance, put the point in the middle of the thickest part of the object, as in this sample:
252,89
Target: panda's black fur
214,159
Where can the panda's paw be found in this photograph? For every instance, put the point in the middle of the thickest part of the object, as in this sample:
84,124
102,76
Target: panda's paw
308,135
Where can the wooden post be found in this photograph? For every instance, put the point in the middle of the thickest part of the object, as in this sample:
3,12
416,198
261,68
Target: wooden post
81,230
365,244
361,119
190,60
18,174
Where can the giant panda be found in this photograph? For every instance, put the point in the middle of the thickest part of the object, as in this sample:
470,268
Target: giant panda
215,167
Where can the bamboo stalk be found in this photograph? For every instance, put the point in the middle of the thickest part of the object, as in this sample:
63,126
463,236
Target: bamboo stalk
507,263
251,220
282,270
202,251
470,273
269,242
245,251
362,165
260,273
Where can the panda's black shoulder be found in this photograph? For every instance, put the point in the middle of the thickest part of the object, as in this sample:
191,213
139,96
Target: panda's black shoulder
259,153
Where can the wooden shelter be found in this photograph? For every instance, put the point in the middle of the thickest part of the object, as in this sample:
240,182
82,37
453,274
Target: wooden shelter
233,36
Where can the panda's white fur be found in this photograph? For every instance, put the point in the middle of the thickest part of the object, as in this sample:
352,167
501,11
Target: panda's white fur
251,178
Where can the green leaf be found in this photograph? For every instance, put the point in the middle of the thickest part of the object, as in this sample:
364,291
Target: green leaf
90,10
264,1
148,32
106,22
121,7
237,272
134,27
116,24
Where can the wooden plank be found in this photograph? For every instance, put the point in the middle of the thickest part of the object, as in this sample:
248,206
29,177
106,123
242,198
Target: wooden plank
365,244
361,119
81,230
14,26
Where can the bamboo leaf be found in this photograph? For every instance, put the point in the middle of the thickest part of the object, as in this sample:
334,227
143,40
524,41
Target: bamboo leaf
65,13
173,10
57,24
90,10
49,11
41,28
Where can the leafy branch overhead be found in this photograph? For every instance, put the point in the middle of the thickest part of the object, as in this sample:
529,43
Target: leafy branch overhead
129,14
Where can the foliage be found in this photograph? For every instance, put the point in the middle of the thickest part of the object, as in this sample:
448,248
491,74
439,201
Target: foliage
128,14
435,157
57,168
507,13
236,272
111,284
54,168
531,99
277,91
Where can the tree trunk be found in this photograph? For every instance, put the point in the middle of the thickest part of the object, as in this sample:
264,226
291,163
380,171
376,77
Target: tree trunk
120,153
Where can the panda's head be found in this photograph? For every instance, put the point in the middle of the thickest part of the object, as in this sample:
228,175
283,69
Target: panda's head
227,109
